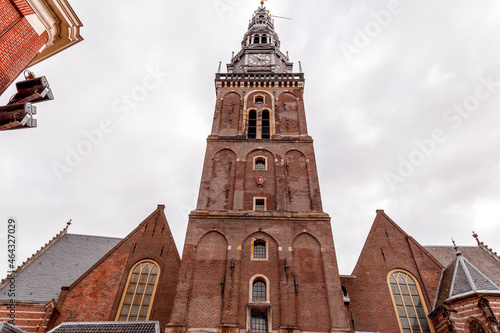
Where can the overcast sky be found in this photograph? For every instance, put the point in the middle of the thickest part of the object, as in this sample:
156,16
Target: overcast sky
402,99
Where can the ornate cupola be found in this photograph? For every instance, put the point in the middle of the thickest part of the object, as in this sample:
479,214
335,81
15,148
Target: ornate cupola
260,48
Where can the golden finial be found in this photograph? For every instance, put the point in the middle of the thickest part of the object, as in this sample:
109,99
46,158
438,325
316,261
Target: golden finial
262,3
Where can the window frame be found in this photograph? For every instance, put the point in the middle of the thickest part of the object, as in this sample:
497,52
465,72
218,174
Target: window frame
259,97
474,320
252,249
255,199
259,305
127,284
259,158
255,127
420,295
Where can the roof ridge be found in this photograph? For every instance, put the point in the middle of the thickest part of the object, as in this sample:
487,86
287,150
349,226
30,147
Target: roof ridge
485,247
37,254
94,236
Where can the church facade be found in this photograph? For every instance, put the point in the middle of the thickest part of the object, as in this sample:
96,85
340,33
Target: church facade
259,254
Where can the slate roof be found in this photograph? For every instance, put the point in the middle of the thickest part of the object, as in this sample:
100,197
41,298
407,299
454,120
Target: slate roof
108,327
481,258
64,261
461,277
8,328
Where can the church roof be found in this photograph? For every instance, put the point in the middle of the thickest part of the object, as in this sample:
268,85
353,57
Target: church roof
8,328
462,278
60,264
483,259
108,327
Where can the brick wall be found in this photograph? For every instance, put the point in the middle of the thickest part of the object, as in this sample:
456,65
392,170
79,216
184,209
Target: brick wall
19,42
97,294
387,248
463,311
303,244
30,317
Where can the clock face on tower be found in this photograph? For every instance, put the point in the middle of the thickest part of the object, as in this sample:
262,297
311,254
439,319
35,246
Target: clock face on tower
259,59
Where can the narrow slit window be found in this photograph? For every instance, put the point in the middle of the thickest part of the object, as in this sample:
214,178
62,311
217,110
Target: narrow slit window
266,126
252,124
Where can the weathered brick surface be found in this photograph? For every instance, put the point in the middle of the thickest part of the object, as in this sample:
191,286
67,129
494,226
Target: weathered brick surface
97,294
221,230
387,248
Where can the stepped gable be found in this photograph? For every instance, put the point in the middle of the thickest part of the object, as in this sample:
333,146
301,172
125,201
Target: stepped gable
108,327
59,263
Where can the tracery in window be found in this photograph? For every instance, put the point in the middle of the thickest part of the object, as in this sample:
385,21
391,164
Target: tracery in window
139,292
476,327
408,303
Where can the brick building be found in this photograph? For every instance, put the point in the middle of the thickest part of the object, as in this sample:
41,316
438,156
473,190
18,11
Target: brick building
31,31
259,254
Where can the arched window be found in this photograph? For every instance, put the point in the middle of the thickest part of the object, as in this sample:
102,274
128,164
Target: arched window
259,314
259,249
139,292
259,292
410,309
252,124
476,327
263,39
260,163
256,39
266,126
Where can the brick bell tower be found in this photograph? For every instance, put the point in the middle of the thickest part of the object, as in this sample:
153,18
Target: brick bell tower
259,253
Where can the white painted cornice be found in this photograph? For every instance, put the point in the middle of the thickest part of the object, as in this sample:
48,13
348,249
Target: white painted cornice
61,24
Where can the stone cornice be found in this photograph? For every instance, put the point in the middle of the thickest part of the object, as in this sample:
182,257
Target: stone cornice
61,24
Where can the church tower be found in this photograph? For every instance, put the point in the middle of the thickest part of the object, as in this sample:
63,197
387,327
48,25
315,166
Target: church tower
259,253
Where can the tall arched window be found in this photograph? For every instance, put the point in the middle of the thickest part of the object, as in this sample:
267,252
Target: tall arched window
476,327
410,309
263,39
256,39
252,124
259,292
266,125
139,292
